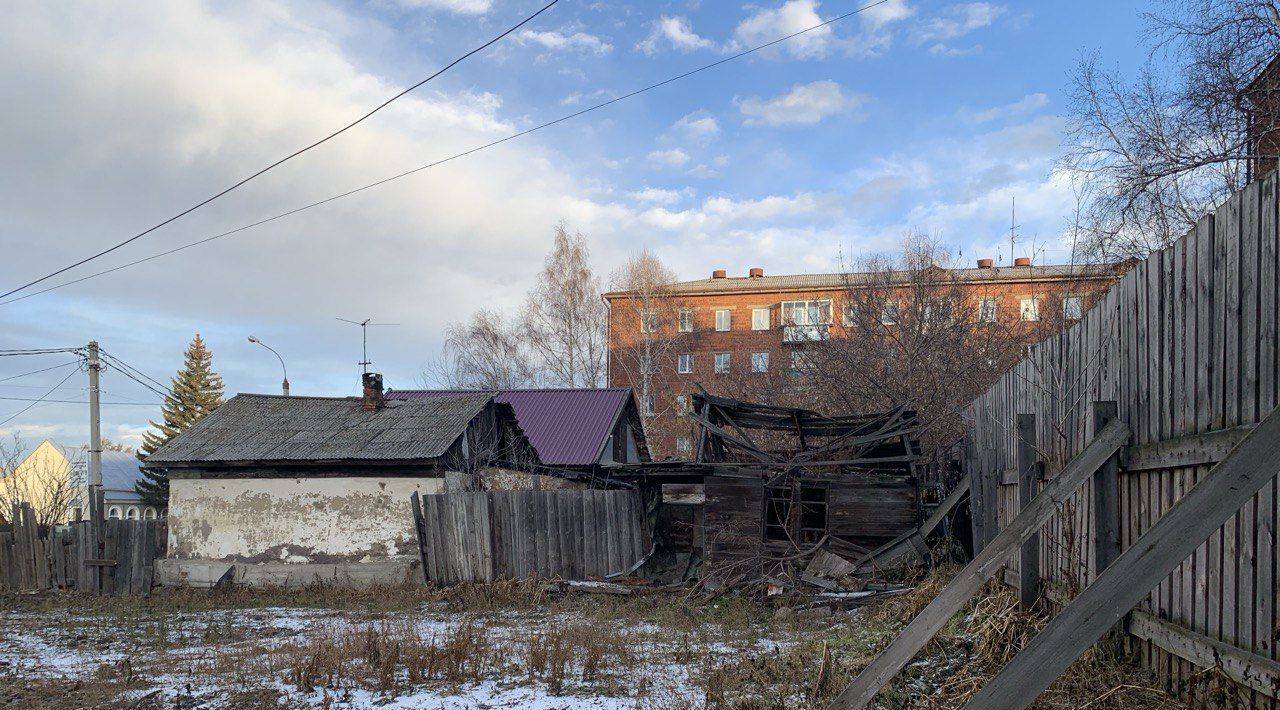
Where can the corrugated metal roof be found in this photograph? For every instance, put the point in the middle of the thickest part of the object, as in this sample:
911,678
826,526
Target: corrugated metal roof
567,427
795,282
120,470
257,427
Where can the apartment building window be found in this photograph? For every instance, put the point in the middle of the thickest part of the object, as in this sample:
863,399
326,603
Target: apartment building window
684,363
849,315
722,363
723,319
800,361
683,446
987,310
648,321
1072,307
806,320
682,404
647,405
1030,308
759,362
686,320
891,313
759,318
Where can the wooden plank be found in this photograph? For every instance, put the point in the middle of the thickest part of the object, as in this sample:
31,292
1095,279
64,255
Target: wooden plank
1105,493
921,629
1118,589
1029,552
1190,450
1250,670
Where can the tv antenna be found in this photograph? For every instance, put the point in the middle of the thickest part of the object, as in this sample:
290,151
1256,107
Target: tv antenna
364,339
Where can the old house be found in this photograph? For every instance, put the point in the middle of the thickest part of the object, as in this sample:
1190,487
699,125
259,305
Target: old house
297,490
575,429
54,479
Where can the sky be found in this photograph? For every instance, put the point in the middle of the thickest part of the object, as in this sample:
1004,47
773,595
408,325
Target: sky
912,115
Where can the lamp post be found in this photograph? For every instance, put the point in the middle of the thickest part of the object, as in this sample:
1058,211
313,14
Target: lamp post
285,384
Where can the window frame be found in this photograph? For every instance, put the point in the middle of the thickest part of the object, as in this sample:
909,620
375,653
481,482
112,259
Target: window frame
755,317
823,307
648,321
684,364
1072,298
757,358
728,363
1034,311
684,445
728,320
995,310
896,308
686,326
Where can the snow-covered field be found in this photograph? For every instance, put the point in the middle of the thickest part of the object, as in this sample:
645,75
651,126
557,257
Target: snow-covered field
591,652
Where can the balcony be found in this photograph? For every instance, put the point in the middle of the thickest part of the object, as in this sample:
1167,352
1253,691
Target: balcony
805,333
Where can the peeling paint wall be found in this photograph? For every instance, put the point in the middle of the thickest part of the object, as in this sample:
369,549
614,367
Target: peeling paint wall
295,520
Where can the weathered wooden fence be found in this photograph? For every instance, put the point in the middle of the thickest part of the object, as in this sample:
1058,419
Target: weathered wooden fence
575,534
1185,346
112,557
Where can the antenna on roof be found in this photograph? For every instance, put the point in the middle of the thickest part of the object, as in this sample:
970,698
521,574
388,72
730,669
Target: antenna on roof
364,340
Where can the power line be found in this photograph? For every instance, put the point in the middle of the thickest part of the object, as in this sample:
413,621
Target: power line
287,158
135,374
42,398
442,161
74,401
38,351
36,372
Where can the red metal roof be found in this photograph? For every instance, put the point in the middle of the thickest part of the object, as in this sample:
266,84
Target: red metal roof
567,427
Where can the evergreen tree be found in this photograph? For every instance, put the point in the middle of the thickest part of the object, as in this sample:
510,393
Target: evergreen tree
195,391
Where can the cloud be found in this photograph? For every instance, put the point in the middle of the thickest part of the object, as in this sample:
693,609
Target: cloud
675,32
805,104
768,24
462,7
1026,105
659,196
956,22
580,42
673,158
699,128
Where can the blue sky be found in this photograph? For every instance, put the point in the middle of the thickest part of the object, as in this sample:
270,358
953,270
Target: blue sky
913,115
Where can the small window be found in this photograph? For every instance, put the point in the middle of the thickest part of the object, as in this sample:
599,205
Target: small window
648,321
759,362
796,515
132,513
987,310
777,514
816,312
723,319
1030,308
684,363
722,363
849,315
113,512
682,403
149,514
891,313
759,318
686,320
1072,307
647,405
683,446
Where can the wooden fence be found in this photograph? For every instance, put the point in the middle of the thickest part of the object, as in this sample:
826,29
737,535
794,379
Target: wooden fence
1184,350
111,557
482,537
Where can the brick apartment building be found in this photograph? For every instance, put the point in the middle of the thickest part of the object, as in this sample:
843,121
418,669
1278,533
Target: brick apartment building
756,326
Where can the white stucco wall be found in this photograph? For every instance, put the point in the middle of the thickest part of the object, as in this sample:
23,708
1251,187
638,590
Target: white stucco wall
298,520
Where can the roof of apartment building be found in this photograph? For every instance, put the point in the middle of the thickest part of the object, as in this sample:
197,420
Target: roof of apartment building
567,427
756,281
260,427
120,469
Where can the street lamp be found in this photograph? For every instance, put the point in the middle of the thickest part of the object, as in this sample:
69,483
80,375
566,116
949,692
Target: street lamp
283,385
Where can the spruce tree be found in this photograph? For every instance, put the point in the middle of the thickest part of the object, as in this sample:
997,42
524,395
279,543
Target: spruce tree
195,391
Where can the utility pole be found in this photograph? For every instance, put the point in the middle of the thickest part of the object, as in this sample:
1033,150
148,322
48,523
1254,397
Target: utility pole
95,422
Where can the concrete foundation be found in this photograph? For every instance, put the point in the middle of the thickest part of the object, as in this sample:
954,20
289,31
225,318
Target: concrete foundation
206,574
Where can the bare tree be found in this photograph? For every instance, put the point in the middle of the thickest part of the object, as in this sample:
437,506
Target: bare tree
1163,149
485,352
51,487
647,316
564,320
912,336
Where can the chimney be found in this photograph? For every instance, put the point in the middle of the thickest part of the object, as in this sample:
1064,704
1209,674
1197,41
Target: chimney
718,274
986,263
756,272
1022,261
373,399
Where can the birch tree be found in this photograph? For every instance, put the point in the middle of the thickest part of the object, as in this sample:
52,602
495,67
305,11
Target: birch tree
650,311
484,352
564,319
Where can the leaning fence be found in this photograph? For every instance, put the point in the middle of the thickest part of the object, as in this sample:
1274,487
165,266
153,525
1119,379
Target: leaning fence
1184,350
98,556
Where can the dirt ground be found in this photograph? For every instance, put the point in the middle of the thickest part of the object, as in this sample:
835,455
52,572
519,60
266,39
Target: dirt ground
501,646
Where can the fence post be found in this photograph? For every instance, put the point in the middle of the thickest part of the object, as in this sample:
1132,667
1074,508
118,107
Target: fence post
1106,494
1029,553
977,524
